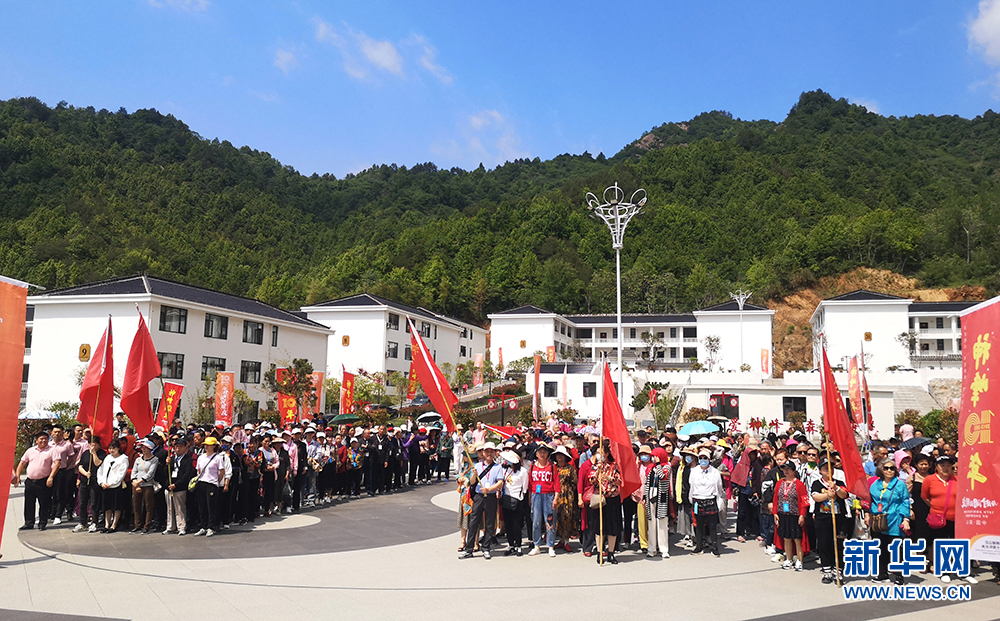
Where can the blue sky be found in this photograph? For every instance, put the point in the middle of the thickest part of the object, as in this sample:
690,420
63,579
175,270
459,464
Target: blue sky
339,86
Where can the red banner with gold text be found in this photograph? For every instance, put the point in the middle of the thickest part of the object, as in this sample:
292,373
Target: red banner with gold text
977,516
854,391
225,384
288,407
13,305
317,382
169,401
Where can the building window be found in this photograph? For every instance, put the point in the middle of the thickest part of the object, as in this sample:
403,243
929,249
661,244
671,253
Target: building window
659,335
27,339
939,323
392,351
407,354
614,333
911,323
562,329
940,344
465,333
923,325
673,352
249,372
171,365
792,404
435,331
393,323
673,333
461,351
631,333
691,333
551,389
216,326
925,347
659,354
253,332
604,335
173,319
274,336
425,329
590,389
690,352
210,366
407,327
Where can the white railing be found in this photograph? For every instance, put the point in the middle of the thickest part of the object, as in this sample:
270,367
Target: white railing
27,351
939,331
24,390
690,340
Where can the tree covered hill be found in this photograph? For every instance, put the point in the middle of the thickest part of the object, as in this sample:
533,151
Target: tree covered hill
88,194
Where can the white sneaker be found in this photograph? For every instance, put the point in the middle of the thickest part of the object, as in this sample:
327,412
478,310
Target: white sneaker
200,532
210,533
92,528
57,521
945,578
552,552
288,510
770,551
971,580
534,551
777,558
786,565
798,565
665,555
181,532
78,528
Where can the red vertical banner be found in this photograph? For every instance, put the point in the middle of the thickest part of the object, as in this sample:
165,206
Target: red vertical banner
477,370
977,516
500,356
347,394
765,362
225,384
854,391
550,353
412,382
317,384
13,307
534,395
288,407
170,399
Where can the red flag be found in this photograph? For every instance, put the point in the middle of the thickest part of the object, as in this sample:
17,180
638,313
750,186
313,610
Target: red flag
169,400
224,385
841,433
653,394
867,402
503,432
142,367
13,308
432,380
347,393
317,386
411,381
854,390
288,406
97,393
614,429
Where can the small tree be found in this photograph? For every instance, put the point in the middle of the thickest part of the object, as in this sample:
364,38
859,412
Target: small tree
521,365
400,383
447,369
653,343
712,344
331,387
797,420
694,414
908,340
297,383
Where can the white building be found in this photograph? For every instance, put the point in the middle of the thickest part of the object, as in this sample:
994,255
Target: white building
371,333
661,341
196,332
876,322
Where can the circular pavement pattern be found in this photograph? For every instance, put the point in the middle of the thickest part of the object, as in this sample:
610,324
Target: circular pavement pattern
401,517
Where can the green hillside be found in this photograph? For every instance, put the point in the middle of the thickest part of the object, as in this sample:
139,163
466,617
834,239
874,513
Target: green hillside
87,194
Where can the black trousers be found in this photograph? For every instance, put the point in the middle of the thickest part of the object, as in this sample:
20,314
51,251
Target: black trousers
810,531
629,509
63,493
883,557
484,515
267,483
354,482
160,507
512,523
88,503
825,541
444,468
381,478
588,536
208,505
414,466
298,481
35,490
747,517
399,473
704,530
249,500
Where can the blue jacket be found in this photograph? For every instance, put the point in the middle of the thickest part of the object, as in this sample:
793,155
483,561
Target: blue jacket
895,501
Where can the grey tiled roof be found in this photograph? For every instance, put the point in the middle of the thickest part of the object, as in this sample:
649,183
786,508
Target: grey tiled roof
862,295
940,307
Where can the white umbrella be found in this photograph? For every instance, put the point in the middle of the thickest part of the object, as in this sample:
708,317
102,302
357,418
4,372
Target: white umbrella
428,416
37,415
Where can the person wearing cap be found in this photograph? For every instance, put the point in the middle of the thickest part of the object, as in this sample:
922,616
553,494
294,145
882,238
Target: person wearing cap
211,474
180,470
515,486
143,472
162,455
828,496
487,479
268,472
283,482
354,464
567,518
706,496
656,478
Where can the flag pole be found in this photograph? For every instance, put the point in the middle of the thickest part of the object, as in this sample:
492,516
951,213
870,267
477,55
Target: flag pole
600,460
833,509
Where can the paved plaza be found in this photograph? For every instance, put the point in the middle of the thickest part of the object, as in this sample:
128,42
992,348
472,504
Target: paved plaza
395,557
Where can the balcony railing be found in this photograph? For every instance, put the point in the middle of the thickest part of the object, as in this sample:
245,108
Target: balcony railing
939,331
27,351
24,390
935,357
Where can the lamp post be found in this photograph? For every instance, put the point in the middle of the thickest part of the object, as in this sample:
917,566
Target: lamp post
741,297
616,214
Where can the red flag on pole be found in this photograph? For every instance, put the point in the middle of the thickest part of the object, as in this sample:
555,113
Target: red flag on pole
613,428
142,367
13,309
346,392
841,433
431,379
411,380
854,390
169,400
97,393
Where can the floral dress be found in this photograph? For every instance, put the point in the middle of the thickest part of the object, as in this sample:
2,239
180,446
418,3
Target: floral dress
567,510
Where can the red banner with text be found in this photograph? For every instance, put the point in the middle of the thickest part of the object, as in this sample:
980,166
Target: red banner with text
317,381
169,402
225,384
288,407
854,391
977,516
13,307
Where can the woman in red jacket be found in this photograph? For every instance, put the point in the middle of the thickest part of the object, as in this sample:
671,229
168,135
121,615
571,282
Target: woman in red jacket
791,503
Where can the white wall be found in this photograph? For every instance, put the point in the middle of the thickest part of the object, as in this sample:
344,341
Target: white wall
726,325
507,332
845,325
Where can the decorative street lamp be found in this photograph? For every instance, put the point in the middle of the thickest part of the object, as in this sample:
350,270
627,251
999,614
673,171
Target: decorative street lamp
616,215
741,297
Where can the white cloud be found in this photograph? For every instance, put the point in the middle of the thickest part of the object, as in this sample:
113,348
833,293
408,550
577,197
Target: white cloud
484,118
984,31
285,60
265,97
191,6
382,54
867,104
428,58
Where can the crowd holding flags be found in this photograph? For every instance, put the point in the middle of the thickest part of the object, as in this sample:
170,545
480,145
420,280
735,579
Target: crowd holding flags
97,393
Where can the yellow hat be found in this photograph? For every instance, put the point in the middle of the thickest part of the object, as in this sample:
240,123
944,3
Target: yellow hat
210,440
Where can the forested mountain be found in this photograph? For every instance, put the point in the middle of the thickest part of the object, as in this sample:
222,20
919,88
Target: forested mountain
87,194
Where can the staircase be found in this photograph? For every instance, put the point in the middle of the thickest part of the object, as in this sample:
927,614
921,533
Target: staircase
912,398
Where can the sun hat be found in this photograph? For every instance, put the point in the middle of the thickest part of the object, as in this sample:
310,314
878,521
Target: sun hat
210,440
643,450
561,450
489,446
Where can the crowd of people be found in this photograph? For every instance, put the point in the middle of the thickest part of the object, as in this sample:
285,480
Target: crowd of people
561,487
203,480
547,487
